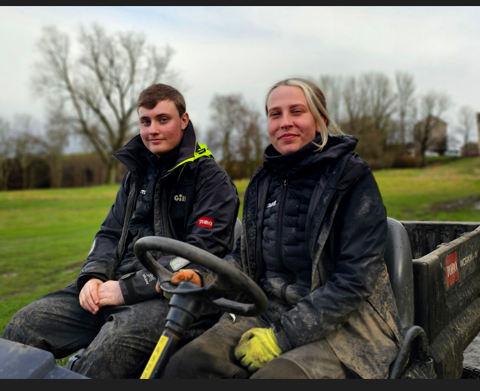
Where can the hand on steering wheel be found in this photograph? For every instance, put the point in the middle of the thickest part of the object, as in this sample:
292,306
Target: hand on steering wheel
180,276
227,280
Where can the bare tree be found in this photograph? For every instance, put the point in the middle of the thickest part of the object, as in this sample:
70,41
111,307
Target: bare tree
406,100
26,145
54,143
99,88
432,106
6,153
252,141
228,114
331,87
237,134
380,101
369,102
354,98
466,123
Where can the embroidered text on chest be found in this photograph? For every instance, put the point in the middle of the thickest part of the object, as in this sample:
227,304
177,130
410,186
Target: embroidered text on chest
180,197
272,204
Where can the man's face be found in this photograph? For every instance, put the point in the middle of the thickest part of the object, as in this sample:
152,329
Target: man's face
161,128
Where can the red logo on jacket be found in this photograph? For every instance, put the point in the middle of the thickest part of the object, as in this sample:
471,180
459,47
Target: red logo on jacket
205,222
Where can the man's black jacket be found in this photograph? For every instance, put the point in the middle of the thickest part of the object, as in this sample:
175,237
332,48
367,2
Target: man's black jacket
194,201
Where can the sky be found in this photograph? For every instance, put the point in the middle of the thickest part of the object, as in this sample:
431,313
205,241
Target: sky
225,50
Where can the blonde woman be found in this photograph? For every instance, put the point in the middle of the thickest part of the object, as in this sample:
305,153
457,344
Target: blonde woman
314,236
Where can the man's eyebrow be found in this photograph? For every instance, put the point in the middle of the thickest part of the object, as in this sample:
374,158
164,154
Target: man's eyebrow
162,115
156,116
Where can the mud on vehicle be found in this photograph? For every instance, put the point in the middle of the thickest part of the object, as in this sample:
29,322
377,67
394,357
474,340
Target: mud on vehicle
434,268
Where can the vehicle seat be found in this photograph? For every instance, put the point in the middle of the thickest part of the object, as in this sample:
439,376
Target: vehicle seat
414,350
238,230
398,257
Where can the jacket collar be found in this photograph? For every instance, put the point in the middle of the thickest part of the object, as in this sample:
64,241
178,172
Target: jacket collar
309,157
133,154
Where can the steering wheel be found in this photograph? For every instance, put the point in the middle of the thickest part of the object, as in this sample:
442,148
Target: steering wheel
227,280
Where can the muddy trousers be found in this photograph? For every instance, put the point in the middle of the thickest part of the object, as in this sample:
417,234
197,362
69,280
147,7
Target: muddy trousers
120,339
210,356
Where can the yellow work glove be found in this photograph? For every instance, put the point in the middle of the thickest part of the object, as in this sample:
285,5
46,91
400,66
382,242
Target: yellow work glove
256,348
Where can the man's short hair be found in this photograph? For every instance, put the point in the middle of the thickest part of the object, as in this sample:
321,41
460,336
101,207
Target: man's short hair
157,92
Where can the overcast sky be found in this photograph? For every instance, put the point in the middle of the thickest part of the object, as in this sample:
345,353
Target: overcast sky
245,50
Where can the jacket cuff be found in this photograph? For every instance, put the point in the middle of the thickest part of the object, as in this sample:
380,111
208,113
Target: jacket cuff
282,340
138,286
83,279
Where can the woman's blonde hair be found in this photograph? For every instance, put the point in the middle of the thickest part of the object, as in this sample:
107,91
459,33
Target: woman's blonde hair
317,105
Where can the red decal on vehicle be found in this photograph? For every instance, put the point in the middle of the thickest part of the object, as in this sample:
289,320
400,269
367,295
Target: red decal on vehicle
205,222
451,269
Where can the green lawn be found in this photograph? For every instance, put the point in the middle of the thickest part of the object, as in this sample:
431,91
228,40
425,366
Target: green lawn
448,192
45,235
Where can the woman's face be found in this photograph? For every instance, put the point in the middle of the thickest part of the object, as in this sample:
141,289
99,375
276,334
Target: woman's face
291,124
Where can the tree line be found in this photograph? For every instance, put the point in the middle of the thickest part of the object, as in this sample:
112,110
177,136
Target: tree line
91,90
392,121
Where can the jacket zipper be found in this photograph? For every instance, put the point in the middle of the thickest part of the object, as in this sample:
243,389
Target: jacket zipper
164,215
280,220
247,269
131,201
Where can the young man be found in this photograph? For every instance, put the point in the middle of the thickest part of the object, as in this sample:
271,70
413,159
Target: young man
173,188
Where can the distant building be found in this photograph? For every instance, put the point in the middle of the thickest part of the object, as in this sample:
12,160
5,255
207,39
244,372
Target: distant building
438,135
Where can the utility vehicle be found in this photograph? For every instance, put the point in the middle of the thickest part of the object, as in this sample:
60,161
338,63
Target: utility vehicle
434,269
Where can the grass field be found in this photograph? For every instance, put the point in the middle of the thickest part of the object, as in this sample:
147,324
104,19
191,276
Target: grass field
45,235
447,192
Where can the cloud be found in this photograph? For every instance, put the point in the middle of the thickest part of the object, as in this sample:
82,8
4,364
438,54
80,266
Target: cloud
246,49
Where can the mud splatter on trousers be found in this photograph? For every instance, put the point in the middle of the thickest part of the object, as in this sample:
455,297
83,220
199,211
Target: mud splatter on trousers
120,339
